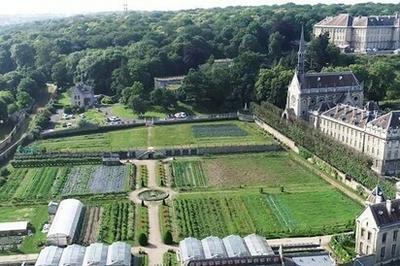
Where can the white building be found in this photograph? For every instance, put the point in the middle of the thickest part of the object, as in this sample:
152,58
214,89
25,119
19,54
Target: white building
82,96
96,255
258,245
49,256
119,254
14,228
307,91
360,33
377,229
72,256
213,247
63,229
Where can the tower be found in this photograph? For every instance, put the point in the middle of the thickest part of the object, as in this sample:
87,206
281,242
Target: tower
125,6
301,56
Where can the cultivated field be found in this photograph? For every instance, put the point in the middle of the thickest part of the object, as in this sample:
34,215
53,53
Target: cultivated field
271,215
90,179
216,133
270,170
90,225
36,215
188,173
212,133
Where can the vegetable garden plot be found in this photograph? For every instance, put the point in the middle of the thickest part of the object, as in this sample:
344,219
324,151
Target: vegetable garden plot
189,174
97,179
218,130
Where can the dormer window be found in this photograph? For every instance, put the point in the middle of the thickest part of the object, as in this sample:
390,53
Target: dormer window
340,77
319,79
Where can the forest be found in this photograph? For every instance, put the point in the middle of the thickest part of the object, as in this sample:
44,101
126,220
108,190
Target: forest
119,54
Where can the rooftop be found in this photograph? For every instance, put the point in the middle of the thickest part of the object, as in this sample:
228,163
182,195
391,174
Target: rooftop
329,80
13,226
345,20
351,115
385,214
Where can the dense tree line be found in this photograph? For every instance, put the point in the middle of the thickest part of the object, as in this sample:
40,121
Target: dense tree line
113,52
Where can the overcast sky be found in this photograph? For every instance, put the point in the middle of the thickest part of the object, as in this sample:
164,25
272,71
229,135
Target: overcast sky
10,7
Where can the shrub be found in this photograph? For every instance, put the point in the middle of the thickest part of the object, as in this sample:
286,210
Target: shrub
305,153
168,240
143,240
4,171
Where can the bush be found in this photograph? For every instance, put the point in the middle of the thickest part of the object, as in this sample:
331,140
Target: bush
168,239
4,171
143,240
305,153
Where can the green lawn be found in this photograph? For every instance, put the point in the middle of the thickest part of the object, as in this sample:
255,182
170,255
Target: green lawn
36,215
272,215
95,117
64,99
109,141
125,112
184,135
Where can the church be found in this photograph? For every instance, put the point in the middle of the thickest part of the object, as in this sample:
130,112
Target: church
309,91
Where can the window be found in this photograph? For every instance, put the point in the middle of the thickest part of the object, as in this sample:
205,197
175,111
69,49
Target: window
384,238
369,236
393,249
395,235
362,232
382,252
361,248
367,250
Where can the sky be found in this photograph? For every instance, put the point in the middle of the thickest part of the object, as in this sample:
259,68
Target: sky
11,7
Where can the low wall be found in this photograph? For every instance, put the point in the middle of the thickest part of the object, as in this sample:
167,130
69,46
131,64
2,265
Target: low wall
11,136
279,136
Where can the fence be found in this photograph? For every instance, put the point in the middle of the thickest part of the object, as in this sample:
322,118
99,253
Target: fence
13,134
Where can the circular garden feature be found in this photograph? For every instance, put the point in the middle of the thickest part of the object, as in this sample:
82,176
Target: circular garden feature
153,195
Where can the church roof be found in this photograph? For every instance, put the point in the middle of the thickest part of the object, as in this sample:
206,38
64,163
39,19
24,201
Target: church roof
384,217
387,121
328,80
350,115
325,106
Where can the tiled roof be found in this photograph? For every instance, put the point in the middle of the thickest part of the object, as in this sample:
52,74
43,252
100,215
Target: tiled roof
350,115
384,217
389,120
345,20
339,20
327,80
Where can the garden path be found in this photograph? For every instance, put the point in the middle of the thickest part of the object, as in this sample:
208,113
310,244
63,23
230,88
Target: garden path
156,247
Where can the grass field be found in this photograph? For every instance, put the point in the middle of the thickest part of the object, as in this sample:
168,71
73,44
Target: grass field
127,113
272,215
215,133
109,141
270,170
207,134
36,215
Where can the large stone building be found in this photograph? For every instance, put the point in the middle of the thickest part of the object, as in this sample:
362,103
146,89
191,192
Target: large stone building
377,229
82,96
307,91
360,33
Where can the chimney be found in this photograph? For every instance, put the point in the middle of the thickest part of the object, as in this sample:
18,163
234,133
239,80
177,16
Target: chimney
389,206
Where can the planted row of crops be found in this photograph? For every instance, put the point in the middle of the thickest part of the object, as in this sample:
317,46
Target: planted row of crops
162,175
90,179
188,174
143,175
117,222
218,130
246,213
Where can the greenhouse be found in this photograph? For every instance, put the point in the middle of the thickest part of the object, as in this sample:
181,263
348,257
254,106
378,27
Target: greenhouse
235,246
96,255
257,245
191,249
119,253
64,226
49,256
72,256
213,247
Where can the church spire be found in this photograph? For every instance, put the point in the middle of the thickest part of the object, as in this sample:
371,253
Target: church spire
301,54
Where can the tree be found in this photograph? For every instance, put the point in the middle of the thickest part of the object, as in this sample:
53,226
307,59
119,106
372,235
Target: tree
275,45
23,54
272,85
249,43
59,74
167,238
23,99
321,53
143,239
138,104
28,85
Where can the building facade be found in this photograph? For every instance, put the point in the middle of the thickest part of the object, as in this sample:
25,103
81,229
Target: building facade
307,91
82,96
377,229
365,130
361,33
